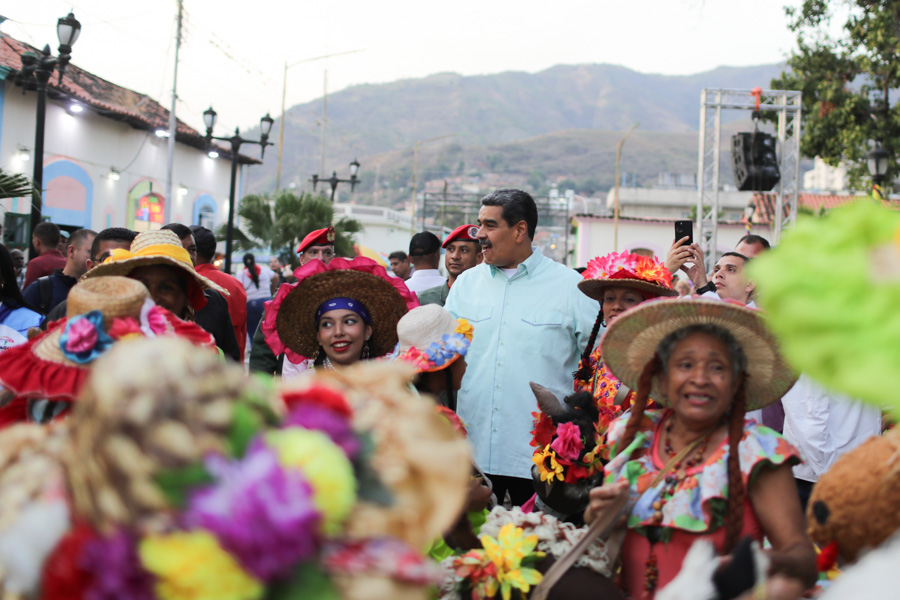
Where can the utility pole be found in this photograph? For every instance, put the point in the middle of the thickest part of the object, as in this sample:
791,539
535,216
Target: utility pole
170,166
324,117
283,100
616,218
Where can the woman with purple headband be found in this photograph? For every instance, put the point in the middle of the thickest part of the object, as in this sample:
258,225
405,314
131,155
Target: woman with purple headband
337,314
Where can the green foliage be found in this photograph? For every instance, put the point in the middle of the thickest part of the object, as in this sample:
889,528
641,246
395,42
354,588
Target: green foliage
16,185
279,222
837,75
175,483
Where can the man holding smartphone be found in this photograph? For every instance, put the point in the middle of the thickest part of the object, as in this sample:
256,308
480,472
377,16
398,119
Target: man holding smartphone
729,281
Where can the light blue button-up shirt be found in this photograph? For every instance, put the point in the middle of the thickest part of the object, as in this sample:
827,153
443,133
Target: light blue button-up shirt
532,326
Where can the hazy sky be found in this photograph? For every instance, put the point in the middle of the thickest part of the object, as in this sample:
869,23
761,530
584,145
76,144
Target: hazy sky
233,53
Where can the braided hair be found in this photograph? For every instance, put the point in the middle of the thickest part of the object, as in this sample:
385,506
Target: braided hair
585,373
736,492
250,263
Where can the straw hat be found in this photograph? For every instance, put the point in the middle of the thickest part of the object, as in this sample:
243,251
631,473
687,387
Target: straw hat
622,269
632,339
158,247
431,339
99,312
291,315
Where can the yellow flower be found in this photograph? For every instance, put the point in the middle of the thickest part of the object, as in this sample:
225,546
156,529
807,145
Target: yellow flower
555,470
507,553
325,467
192,566
464,328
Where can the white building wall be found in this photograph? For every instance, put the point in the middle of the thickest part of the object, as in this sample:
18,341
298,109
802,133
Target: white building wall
80,150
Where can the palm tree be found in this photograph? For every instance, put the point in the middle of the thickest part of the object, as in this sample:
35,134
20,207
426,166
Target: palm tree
16,185
278,223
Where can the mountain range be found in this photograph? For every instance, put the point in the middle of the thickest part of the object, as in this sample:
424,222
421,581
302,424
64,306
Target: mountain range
559,125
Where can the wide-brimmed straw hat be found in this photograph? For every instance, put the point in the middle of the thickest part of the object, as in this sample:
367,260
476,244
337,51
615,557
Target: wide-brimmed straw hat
632,339
99,313
622,269
290,318
431,339
158,247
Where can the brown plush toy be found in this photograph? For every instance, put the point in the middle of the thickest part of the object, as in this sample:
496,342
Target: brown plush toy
853,507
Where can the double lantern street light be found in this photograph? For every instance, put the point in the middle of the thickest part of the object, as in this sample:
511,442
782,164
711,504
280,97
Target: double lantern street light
36,71
265,127
334,181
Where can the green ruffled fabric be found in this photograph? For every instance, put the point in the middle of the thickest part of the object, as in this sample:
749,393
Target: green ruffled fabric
834,306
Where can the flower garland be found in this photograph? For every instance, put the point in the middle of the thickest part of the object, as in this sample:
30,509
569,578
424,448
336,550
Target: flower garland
624,265
504,565
441,353
85,338
563,453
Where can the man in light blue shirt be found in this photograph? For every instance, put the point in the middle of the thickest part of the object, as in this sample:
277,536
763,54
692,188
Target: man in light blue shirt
530,324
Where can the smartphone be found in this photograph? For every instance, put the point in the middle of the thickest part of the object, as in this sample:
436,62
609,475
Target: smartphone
684,228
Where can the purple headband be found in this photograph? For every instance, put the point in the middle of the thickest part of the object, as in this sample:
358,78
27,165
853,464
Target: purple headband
344,304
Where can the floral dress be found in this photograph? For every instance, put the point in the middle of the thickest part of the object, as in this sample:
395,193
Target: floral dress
695,509
603,385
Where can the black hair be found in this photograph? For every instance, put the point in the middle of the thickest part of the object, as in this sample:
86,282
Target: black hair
517,206
10,293
48,233
738,254
78,237
399,255
206,242
111,234
752,239
182,231
250,263
585,372
420,382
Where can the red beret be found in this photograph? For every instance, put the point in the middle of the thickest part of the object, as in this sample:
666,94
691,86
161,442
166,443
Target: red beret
319,237
463,233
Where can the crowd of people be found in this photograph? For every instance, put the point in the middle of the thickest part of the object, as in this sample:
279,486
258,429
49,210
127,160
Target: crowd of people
636,387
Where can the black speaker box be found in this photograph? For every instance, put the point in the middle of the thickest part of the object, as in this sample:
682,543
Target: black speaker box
754,162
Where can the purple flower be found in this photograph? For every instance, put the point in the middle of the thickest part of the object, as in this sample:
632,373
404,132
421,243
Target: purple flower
116,569
311,416
260,512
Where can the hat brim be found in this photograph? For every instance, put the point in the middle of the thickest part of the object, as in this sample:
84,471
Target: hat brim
295,322
594,288
126,266
632,339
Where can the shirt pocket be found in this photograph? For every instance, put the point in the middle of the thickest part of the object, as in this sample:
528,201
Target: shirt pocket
475,313
544,333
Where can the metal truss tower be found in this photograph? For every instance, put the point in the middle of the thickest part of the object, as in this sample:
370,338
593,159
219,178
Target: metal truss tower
712,102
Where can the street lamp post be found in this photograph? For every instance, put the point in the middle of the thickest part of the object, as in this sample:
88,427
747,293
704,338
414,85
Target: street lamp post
265,127
877,160
334,181
37,69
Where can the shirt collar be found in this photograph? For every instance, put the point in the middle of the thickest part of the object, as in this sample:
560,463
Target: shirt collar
528,266
425,272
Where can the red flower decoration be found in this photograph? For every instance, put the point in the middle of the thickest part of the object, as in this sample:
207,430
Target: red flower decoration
543,431
320,396
64,577
124,326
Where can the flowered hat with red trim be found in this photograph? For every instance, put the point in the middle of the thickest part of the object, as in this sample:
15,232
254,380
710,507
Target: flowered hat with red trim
431,339
100,312
648,276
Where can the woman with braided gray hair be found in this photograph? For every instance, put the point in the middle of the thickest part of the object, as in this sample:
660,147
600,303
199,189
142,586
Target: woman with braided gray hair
696,469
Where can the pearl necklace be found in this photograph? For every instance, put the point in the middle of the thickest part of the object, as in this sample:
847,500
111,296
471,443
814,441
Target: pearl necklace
327,364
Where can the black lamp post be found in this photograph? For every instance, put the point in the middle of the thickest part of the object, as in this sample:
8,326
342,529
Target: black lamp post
265,126
36,71
334,181
877,160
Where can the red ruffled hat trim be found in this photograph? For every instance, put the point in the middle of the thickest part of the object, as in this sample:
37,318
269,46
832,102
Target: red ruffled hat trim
31,377
314,267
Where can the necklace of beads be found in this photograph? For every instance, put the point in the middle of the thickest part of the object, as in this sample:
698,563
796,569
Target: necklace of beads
327,364
678,472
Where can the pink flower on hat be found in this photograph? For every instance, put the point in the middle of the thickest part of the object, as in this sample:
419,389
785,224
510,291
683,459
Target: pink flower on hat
568,443
156,320
82,336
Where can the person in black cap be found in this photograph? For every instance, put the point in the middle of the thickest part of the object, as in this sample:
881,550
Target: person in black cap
425,256
462,251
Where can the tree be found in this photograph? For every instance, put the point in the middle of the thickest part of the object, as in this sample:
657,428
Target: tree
845,80
278,223
16,185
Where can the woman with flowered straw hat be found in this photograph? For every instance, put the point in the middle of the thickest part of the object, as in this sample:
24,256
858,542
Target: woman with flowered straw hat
696,468
337,314
435,343
45,375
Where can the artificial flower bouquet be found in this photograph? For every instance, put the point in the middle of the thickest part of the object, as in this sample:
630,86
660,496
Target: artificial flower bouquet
564,452
178,478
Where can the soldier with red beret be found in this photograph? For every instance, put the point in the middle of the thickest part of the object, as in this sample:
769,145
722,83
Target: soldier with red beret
318,244
462,252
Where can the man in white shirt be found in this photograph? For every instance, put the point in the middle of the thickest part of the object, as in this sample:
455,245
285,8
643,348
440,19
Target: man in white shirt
425,256
823,426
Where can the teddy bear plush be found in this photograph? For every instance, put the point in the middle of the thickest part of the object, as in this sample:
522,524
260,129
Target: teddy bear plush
853,506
